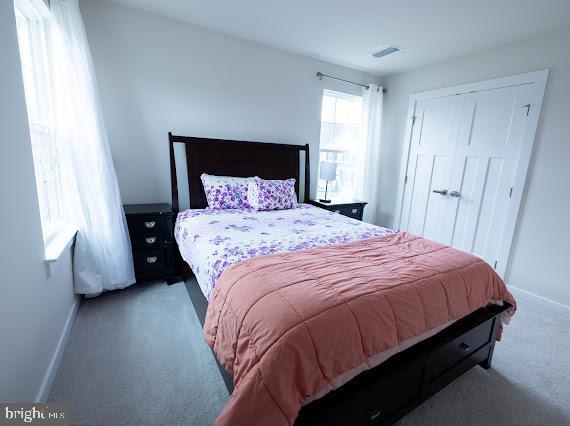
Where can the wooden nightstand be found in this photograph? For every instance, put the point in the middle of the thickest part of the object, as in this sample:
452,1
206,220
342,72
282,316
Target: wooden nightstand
151,227
350,208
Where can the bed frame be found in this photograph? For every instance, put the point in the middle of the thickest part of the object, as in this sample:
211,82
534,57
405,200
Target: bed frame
387,392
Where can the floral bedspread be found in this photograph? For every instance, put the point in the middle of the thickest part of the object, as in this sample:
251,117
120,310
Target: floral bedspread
211,241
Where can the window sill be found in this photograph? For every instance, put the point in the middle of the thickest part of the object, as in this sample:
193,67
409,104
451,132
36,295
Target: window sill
61,239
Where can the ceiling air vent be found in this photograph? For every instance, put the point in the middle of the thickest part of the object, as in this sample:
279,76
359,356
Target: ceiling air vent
388,50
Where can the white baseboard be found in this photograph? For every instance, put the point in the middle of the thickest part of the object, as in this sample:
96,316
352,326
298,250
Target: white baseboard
535,300
49,376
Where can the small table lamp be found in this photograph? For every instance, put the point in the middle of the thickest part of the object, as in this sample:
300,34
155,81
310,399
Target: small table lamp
327,172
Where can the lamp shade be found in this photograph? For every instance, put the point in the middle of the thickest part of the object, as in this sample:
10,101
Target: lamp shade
327,171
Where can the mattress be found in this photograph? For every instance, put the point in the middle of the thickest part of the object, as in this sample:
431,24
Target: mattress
212,240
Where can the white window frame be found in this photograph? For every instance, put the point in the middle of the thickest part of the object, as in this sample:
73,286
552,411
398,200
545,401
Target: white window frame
349,97
57,233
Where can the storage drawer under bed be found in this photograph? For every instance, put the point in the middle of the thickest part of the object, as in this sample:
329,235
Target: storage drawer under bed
377,403
452,353
384,394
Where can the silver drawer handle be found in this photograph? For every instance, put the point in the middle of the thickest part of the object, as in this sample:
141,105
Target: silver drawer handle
455,194
374,414
150,240
337,211
150,224
151,259
354,211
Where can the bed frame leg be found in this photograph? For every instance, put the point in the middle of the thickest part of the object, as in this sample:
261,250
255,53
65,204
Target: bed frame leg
486,363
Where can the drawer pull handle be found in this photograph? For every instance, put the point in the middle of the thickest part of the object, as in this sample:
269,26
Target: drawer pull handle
150,240
337,211
374,414
151,259
354,211
465,347
150,224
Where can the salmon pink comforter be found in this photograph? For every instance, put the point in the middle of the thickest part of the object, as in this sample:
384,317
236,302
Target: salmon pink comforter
288,325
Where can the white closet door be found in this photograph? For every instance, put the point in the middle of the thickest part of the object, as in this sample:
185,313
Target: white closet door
432,148
474,142
490,137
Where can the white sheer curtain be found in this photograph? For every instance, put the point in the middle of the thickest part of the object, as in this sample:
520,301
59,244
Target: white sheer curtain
368,183
102,257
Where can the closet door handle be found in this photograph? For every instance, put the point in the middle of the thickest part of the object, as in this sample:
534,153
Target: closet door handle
440,191
455,194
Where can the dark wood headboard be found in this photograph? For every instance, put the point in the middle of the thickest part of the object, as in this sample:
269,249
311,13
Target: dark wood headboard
235,158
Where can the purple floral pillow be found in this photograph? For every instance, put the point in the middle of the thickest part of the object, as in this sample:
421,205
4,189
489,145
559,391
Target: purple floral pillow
272,194
226,192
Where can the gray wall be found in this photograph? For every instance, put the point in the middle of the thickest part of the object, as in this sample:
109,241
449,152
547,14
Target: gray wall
541,251
157,75
33,308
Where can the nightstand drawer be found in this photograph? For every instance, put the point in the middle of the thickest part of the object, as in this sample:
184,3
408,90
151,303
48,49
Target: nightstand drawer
147,225
148,241
149,260
352,211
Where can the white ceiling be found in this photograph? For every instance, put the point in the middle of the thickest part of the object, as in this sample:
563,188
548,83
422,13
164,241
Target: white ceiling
346,31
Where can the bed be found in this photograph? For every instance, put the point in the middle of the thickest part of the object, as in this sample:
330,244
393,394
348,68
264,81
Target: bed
211,241
242,257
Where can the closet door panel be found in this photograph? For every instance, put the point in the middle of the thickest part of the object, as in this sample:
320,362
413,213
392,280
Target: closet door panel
461,236
432,147
420,185
488,146
491,210
437,203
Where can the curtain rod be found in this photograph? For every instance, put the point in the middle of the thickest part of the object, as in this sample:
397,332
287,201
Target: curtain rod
320,76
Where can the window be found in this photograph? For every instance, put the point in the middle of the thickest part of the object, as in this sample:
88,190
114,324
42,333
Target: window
340,141
35,71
